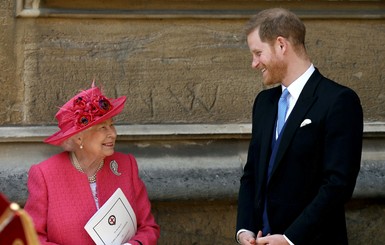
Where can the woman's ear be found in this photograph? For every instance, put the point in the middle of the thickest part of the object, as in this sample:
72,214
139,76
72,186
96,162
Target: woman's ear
79,141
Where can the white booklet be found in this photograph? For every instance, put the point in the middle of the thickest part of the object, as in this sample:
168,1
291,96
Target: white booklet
114,223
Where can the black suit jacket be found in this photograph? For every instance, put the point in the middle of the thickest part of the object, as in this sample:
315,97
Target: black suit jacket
315,169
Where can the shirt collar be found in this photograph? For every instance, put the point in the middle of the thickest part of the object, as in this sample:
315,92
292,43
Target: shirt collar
296,87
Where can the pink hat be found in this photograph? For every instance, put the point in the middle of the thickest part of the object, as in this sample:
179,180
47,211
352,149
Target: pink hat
83,111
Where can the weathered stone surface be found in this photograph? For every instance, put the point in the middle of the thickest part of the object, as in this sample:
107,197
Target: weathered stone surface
172,70
365,221
11,95
347,52
184,71
196,222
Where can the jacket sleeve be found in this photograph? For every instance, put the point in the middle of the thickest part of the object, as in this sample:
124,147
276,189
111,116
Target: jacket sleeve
37,203
148,231
246,214
340,166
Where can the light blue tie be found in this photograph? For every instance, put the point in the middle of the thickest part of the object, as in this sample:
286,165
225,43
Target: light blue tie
282,110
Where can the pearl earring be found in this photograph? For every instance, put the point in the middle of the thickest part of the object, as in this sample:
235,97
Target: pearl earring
81,146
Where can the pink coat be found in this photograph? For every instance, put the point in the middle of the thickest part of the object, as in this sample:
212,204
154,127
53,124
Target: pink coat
60,200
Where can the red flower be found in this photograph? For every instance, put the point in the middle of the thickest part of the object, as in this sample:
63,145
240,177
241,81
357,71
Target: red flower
83,120
104,105
79,103
86,109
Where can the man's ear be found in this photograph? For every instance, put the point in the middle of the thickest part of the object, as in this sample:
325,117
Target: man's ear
281,44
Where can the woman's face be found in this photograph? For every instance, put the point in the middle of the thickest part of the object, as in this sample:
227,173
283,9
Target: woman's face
99,140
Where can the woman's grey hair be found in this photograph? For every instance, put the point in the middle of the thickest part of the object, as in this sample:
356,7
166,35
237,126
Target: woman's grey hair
70,144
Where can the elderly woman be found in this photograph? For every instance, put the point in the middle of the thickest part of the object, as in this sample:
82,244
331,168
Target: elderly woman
67,189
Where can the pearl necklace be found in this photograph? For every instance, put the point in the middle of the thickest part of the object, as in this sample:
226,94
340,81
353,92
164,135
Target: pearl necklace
75,163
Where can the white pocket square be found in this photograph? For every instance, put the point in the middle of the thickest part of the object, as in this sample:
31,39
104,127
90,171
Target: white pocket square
305,122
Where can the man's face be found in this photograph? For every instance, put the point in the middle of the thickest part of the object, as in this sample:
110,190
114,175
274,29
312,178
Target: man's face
267,59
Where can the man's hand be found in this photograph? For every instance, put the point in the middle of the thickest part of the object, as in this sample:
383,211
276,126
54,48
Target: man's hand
247,238
271,240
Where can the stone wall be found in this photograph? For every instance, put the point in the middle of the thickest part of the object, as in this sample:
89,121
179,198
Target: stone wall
185,68
174,67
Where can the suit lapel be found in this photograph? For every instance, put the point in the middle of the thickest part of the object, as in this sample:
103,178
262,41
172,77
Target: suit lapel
304,103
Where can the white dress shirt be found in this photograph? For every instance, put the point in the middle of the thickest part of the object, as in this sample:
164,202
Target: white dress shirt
295,90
